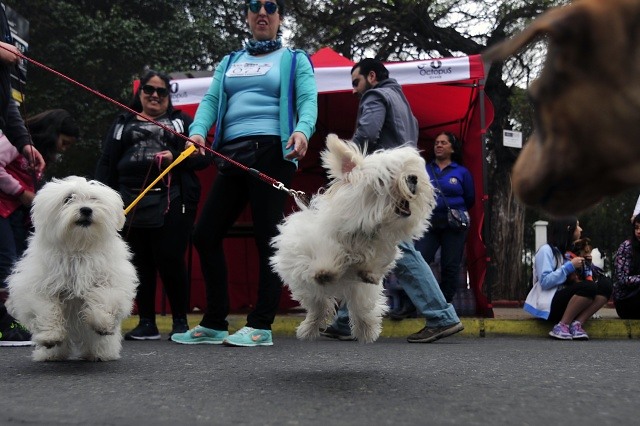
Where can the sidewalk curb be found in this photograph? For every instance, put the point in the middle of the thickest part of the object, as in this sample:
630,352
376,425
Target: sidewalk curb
285,325
490,327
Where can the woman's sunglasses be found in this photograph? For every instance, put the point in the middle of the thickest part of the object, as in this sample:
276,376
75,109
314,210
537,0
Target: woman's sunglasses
269,6
149,89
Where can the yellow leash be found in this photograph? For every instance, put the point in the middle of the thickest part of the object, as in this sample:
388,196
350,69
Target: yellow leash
187,152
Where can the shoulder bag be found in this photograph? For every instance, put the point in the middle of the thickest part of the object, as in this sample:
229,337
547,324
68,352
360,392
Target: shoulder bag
456,218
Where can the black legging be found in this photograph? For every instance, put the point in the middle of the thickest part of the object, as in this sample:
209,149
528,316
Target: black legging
588,289
629,308
162,251
227,198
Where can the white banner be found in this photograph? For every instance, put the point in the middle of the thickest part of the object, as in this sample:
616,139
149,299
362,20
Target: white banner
338,79
189,91
430,71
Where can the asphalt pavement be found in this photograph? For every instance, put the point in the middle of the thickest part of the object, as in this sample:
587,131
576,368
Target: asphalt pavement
455,381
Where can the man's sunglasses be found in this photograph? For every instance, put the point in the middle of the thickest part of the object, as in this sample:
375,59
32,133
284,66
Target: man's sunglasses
149,89
269,6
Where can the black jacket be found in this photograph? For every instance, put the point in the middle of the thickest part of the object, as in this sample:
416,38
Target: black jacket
11,122
183,174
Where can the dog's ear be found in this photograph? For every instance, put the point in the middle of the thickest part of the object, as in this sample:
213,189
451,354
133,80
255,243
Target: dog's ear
561,24
340,157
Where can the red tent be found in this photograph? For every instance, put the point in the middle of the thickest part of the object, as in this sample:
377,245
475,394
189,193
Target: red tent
445,94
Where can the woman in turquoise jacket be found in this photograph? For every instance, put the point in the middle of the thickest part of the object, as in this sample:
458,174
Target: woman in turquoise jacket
263,103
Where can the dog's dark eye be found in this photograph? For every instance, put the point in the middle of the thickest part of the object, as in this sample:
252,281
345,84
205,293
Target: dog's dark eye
68,198
412,183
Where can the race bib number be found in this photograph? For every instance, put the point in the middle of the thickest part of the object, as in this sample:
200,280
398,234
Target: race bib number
248,69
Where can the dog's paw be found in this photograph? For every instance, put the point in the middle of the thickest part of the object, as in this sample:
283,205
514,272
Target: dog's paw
42,354
368,277
48,339
103,323
366,328
308,330
104,332
324,277
367,334
49,343
307,333
104,329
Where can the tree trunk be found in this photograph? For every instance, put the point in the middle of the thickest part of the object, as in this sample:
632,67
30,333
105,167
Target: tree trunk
504,233
506,243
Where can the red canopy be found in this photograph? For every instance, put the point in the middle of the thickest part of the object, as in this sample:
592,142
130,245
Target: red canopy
445,95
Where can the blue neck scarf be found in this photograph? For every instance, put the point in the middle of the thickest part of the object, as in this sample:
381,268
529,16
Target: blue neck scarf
255,47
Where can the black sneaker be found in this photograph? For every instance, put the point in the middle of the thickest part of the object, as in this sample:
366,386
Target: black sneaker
145,330
15,335
180,325
431,334
334,333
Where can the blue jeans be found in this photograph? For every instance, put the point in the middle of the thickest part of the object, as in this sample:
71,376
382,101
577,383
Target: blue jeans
13,241
417,280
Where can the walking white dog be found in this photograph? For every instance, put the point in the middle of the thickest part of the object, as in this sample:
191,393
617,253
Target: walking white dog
346,241
75,283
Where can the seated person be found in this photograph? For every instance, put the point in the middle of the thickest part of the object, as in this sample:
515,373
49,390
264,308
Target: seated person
581,248
626,286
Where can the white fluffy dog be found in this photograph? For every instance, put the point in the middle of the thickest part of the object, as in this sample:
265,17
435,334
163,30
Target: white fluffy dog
346,241
75,283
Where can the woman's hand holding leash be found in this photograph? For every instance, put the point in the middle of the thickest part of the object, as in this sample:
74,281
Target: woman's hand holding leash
164,158
199,141
33,156
187,152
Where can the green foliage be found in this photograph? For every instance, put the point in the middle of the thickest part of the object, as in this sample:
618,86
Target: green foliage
105,45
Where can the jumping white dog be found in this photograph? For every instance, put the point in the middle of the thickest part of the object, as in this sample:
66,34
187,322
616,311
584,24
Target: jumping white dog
75,283
346,241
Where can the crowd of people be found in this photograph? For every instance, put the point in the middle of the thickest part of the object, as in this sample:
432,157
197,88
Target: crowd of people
264,117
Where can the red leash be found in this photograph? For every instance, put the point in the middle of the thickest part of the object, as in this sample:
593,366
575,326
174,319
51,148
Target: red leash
268,179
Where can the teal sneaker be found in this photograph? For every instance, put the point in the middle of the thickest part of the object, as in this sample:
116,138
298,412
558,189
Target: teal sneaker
248,336
200,336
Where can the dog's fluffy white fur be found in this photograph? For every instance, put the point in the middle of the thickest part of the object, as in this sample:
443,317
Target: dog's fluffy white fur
342,245
75,283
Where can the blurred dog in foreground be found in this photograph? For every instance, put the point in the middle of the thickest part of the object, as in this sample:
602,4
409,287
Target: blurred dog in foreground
587,103
342,245
75,283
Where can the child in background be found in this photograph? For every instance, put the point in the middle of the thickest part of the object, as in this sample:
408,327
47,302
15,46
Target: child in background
581,248
52,132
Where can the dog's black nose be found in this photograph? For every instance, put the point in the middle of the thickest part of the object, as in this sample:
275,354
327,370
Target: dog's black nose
86,211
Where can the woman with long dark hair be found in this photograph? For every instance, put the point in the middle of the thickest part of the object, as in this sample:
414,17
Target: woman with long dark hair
626,286
135,152
53,132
